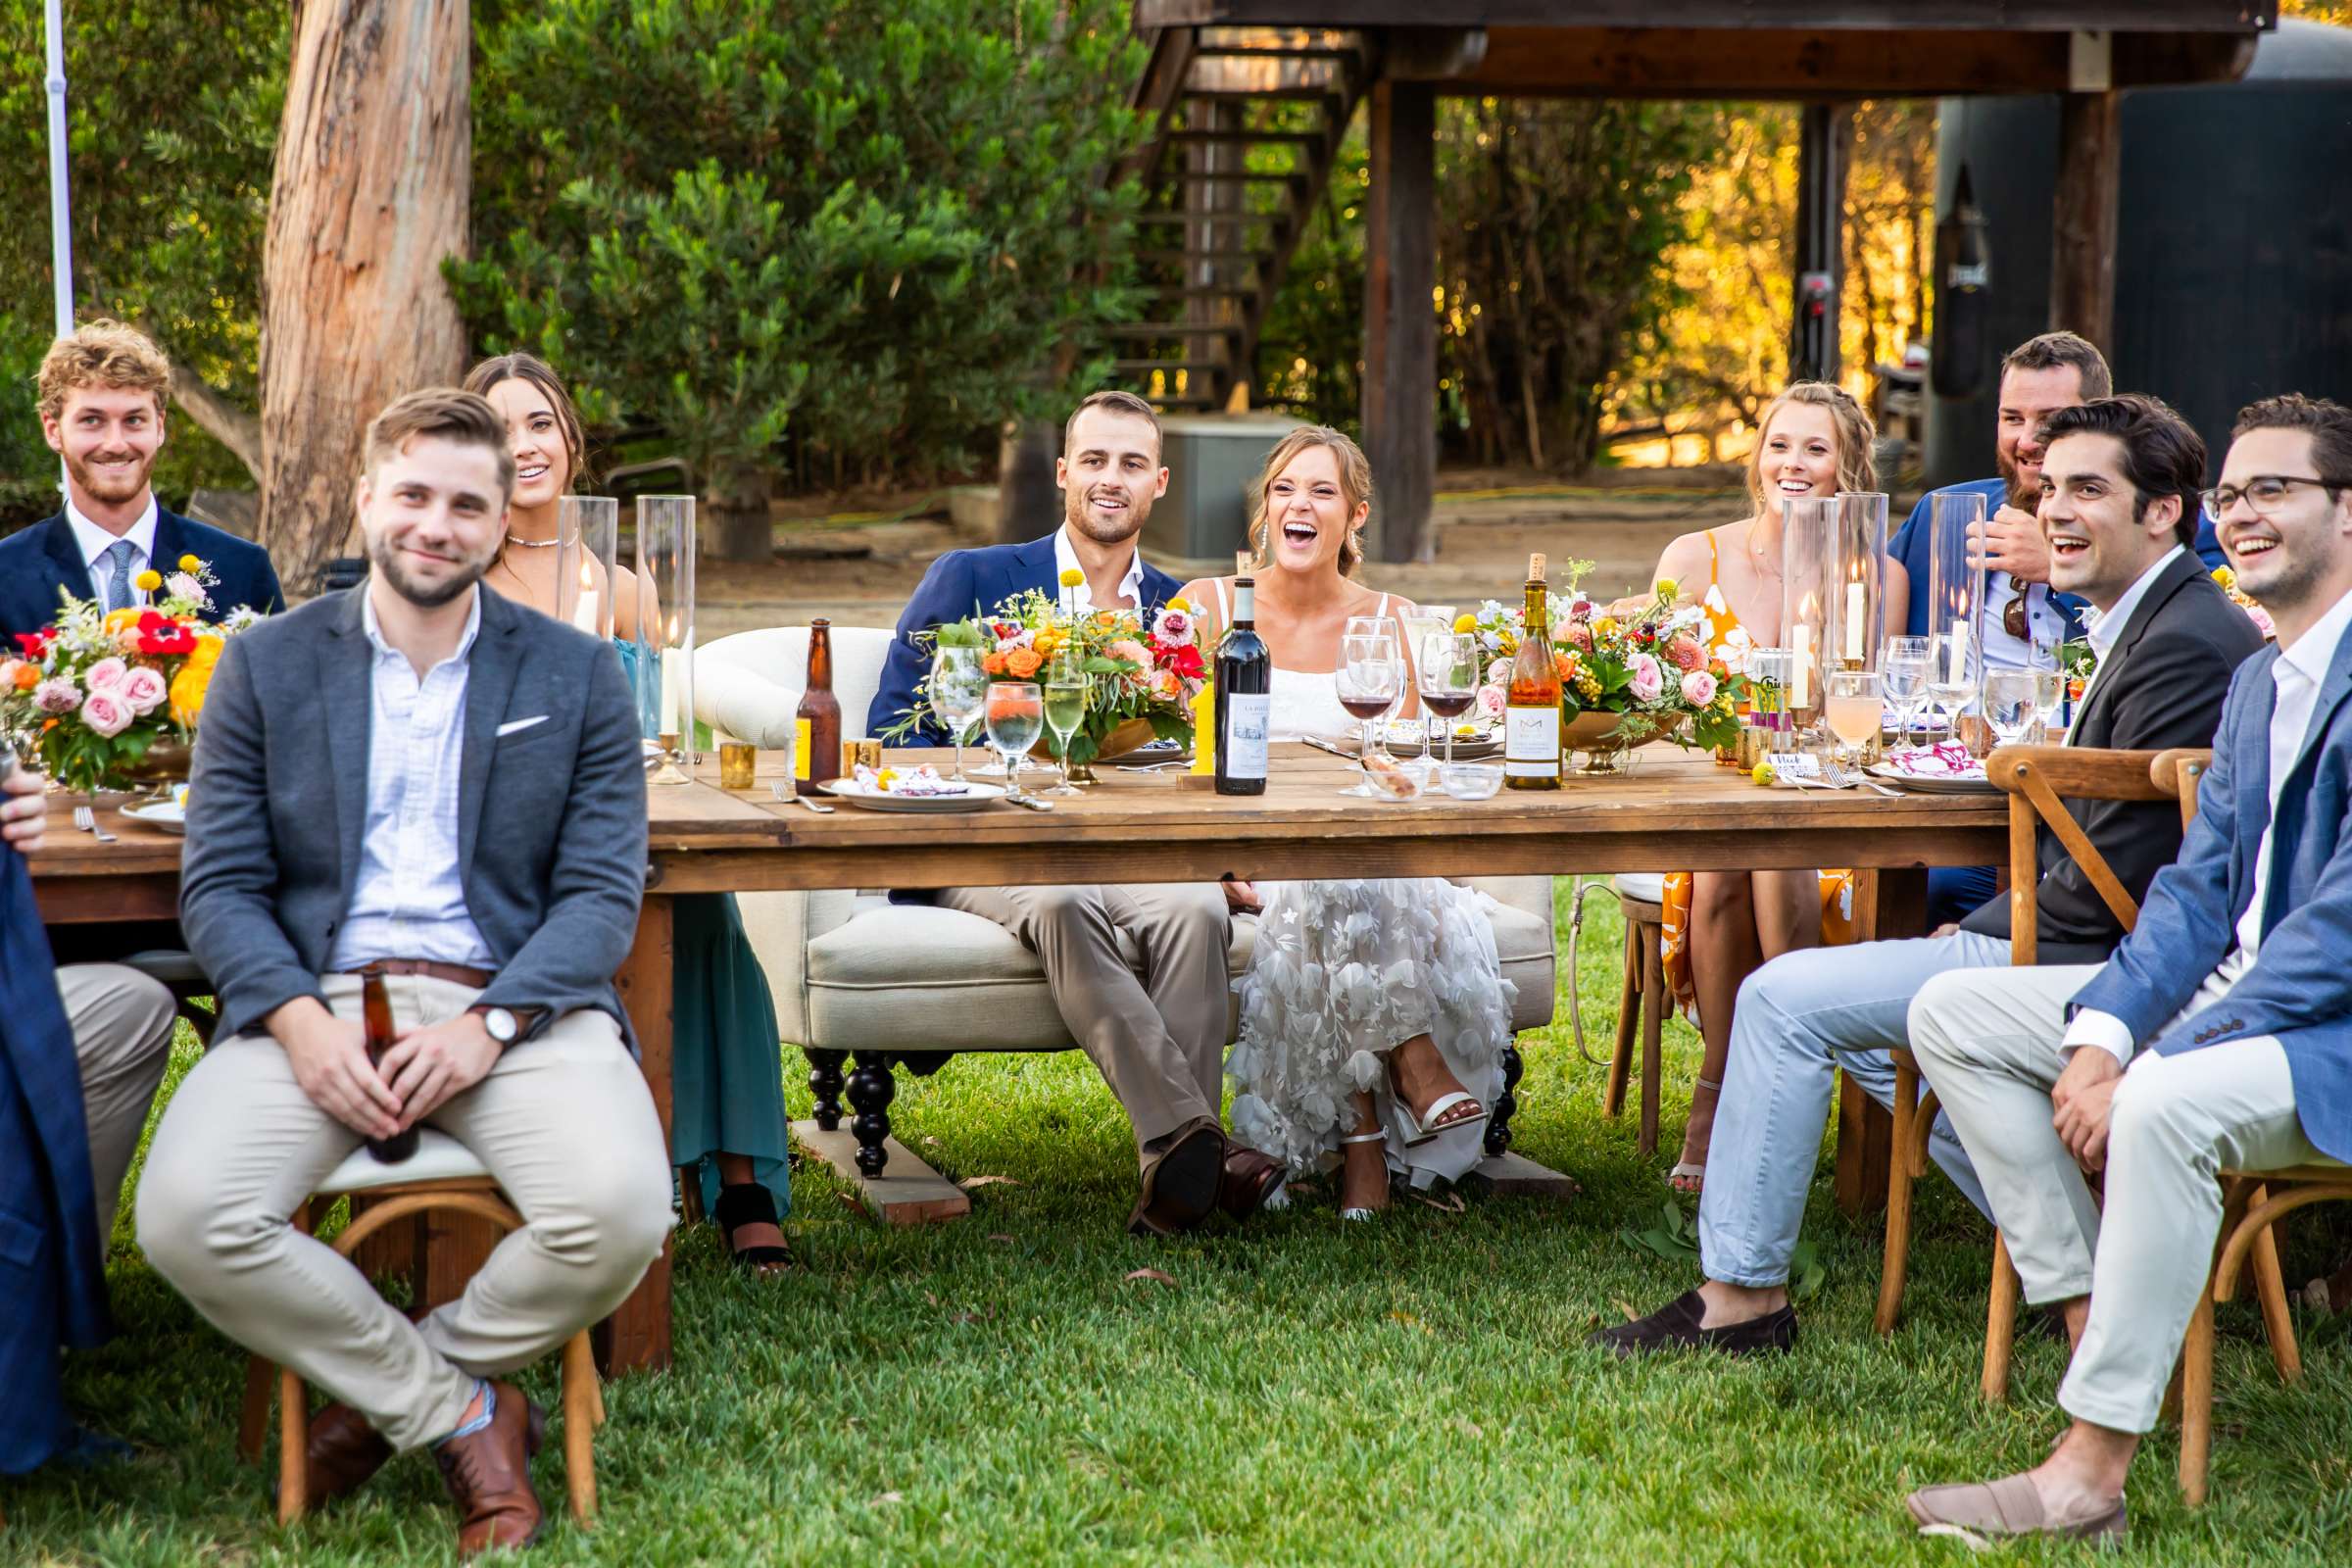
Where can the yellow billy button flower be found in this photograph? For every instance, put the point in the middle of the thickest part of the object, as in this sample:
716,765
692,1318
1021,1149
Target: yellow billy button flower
190,563
149,581
1762,774
1668,588
1071,576
1463,625
1180,605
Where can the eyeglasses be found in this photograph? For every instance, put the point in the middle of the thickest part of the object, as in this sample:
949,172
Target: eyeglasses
2264,493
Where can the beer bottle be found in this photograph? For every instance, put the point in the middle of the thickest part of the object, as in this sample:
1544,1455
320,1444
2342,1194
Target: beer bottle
375,1006
817,743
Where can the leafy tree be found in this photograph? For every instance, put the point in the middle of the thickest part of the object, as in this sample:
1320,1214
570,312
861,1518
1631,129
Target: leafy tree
883,234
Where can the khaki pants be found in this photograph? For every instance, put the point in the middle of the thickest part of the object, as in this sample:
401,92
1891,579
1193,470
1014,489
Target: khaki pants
563,1123
1156,1036
1988,1042
122,1023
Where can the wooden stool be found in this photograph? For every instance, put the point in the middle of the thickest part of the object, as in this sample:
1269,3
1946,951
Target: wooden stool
442,1175
1641,1000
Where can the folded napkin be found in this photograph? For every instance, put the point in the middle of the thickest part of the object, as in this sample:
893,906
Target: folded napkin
924,780
1944,760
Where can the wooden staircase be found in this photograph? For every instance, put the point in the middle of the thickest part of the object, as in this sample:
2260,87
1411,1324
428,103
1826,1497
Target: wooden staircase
1247,125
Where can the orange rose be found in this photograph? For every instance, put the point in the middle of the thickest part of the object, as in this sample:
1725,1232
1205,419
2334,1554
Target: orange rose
991,663
1023,662
28,677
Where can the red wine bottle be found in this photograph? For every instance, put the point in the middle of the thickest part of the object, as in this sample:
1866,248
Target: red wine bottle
1245,678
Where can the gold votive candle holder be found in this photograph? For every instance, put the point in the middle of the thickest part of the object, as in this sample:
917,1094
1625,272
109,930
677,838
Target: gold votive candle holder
737,762
855,755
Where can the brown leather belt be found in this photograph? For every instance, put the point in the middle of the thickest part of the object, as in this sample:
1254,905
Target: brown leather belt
455,973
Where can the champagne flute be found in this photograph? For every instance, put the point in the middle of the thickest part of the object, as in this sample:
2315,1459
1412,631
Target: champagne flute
1016,711
2049,694
959,688
1066,711
1904,665
1448,680
1368,682
2010,703
1952,675
1853,709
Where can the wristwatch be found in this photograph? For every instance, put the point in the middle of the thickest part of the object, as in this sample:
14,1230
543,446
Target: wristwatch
501,1025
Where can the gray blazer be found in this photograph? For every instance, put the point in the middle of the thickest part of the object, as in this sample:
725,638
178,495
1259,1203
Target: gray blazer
279,796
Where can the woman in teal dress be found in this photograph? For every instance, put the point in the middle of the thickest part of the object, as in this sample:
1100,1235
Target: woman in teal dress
727,1127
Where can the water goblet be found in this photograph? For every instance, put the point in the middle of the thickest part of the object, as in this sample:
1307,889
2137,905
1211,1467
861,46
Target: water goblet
1853,709
2009,703
1015,714
1903,664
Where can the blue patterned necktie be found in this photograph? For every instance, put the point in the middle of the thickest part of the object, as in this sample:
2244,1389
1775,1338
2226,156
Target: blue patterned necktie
117,587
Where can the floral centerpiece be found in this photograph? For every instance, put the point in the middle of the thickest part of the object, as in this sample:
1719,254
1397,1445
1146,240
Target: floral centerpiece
1140,677
1630,678
112,696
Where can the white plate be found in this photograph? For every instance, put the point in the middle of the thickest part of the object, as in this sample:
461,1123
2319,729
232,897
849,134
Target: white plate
1933,783
1404,742
976,797
169,815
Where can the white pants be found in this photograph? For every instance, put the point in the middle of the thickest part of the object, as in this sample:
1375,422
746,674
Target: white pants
564,1122
1988,1042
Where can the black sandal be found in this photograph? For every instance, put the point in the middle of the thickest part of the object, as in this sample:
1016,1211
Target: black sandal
748,1204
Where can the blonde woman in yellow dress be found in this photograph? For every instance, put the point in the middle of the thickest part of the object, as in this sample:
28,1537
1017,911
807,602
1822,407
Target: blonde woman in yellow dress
1722,925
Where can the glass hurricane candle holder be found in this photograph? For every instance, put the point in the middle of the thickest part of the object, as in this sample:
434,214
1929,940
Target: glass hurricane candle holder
1856,609
1955,618
587,549
1809,579
665,551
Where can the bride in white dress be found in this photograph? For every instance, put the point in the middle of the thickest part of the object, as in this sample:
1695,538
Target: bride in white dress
1374,1012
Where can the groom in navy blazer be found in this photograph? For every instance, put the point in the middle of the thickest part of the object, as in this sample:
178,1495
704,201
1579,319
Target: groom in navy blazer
1157,1036
102,396
2219,1037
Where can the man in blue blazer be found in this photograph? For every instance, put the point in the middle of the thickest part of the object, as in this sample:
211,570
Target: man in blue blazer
2219,1034
102,396
1157,1033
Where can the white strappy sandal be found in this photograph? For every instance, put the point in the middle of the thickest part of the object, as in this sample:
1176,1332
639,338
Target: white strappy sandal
1364,1137
1418,1132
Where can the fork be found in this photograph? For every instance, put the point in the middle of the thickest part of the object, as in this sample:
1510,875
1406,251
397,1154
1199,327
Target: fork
87,821
790,797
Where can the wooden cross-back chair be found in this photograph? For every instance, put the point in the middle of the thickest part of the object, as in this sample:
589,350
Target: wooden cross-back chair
2252,1201
2039,780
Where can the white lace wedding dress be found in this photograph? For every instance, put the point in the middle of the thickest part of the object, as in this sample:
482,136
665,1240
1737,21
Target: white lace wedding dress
1345,971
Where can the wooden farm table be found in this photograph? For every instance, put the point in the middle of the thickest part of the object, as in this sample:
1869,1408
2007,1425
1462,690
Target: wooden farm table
1674,811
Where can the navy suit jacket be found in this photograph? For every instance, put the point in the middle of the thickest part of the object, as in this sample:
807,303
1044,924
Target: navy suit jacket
52,1260
963,583
1914,539
37,562
2300,988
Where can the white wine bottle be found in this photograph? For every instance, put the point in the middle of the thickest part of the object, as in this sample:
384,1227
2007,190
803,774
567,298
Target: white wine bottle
1531,719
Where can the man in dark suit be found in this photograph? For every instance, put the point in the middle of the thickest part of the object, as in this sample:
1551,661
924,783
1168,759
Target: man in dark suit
2118,508
1158,1035
102,396
418,779
2219,1036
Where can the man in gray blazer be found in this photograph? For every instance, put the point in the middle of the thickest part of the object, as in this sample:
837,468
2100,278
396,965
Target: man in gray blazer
416,778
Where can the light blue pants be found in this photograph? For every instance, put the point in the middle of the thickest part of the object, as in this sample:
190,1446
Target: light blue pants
1799,1017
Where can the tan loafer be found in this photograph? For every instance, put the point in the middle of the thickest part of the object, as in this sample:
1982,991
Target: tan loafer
1987,1510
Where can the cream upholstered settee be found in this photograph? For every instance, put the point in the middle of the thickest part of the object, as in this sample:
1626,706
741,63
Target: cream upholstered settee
856,974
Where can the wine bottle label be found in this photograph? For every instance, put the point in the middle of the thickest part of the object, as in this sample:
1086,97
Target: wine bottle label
800,748
1245,743
1531,743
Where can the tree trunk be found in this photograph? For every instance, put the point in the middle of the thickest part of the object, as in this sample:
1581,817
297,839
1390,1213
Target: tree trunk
374,167
741,525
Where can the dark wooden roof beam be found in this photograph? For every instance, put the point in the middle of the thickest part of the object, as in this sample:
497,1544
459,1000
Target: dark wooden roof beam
2241,17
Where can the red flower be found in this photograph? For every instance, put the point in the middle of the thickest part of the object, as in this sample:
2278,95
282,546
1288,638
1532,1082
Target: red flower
1184,659
36,643
172,637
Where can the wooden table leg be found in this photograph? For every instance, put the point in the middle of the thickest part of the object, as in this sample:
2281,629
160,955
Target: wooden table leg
637,1333
1888,906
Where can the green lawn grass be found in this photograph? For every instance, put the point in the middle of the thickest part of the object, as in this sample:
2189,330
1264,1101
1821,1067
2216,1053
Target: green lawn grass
999,1391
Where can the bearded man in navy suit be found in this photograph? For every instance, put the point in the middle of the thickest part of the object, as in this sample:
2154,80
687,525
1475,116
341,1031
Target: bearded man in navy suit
1157,1034
102,396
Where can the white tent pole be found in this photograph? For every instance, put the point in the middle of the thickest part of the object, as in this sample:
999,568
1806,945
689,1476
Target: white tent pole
61,230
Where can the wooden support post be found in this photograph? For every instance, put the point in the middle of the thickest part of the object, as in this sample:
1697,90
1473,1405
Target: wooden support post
1400,320
1820,242
2082,227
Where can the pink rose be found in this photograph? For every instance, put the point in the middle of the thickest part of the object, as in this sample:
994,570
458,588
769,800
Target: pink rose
2261,622
1698,688
180,585
106,713
1499,673
1580,634
1491,701
1649,680
142,689
56,696
1686,653
106,676
1173,626
1133,651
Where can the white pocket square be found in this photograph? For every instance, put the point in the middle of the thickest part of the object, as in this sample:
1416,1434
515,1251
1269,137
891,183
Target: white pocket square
512,725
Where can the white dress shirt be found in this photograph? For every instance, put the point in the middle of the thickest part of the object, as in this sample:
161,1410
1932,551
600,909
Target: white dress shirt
408,899
95,542
1082,597
2299,673
2102,628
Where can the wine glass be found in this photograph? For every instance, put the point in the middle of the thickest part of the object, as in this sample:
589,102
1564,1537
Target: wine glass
1421,624
1066,711
1852,707
1904,666
959,688
1952,675
1368,681
1448,679
2010,703
1015,712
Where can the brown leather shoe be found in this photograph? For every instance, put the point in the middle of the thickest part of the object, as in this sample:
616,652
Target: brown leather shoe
1181,1186
489,1477
1251,1177
343,1452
